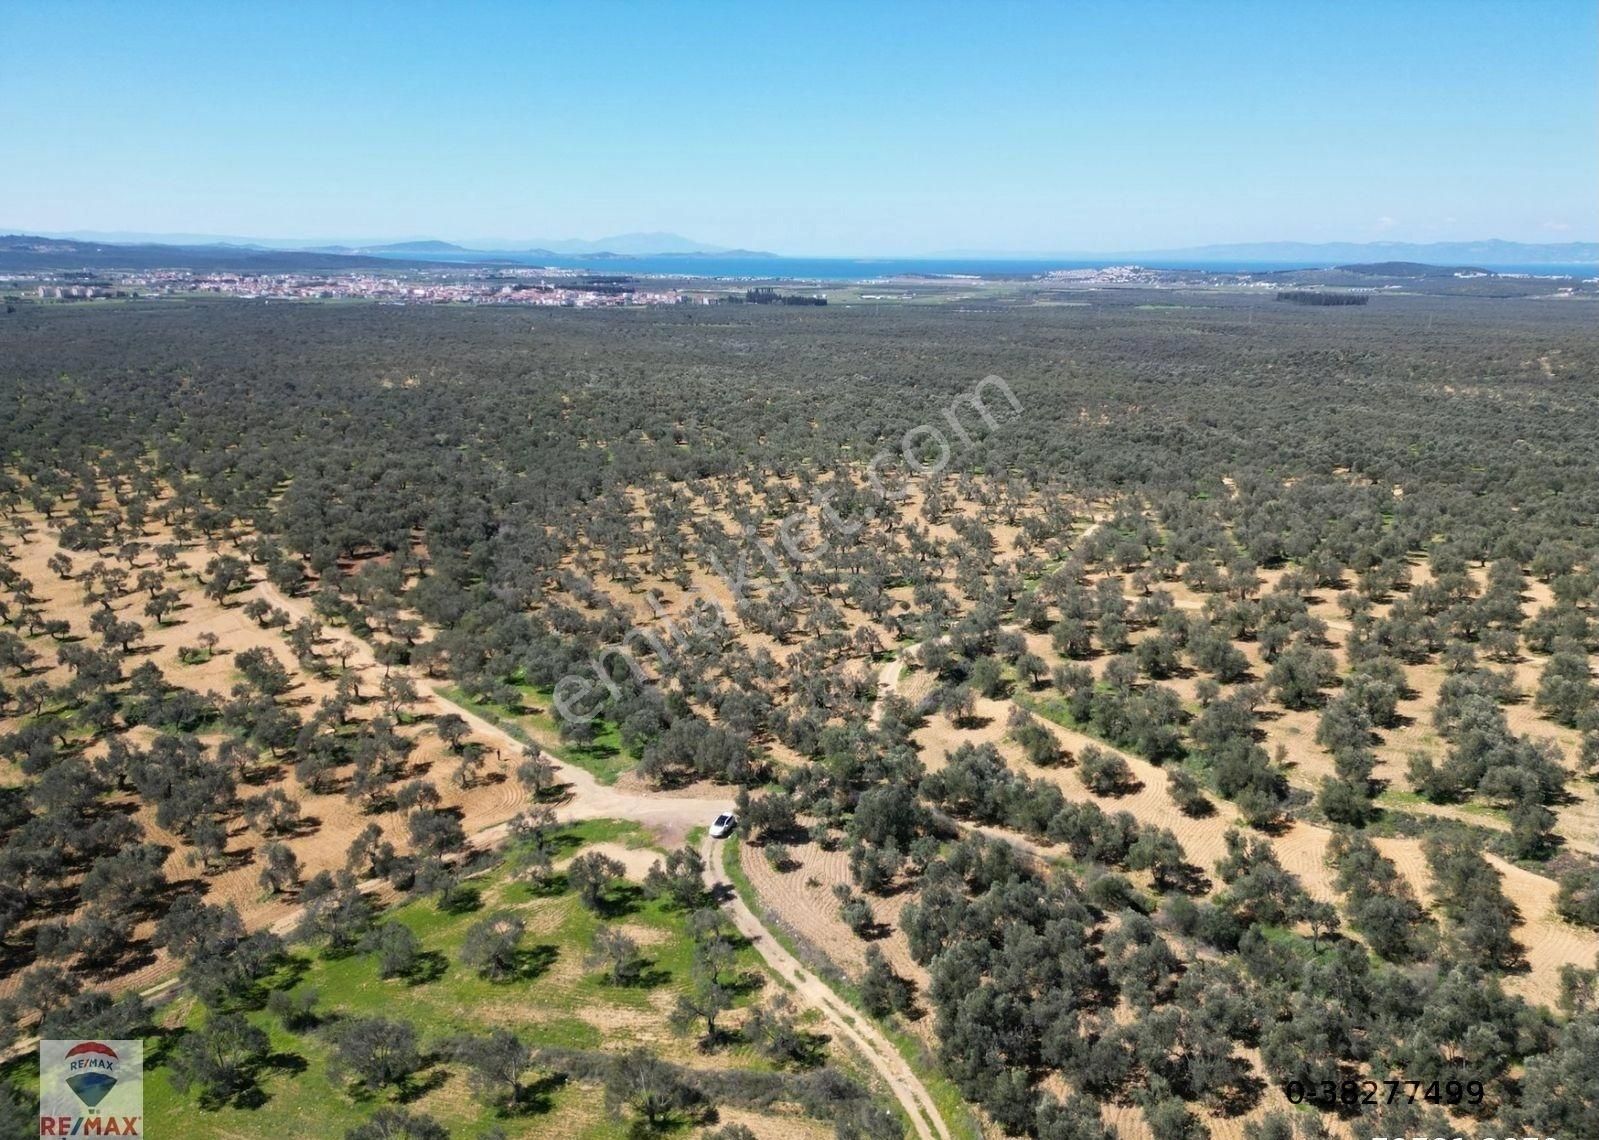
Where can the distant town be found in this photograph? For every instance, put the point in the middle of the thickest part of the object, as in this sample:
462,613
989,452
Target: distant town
546,286
499,287
556,287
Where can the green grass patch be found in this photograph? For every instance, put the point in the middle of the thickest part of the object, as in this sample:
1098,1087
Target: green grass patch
604,757
557,1001
1051,708
958,1116
1397,798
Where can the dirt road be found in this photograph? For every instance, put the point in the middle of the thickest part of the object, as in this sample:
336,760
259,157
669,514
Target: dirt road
670,816
673,817
854,1025
888,682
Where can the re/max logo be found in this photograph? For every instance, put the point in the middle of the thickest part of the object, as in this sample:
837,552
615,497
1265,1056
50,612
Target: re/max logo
89,1126
91,1064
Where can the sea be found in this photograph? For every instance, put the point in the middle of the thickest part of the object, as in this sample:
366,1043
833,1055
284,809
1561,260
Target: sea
866,269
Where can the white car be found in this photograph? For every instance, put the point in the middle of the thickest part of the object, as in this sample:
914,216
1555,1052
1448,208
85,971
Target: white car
723,826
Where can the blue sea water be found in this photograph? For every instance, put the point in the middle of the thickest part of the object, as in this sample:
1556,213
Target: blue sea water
863,269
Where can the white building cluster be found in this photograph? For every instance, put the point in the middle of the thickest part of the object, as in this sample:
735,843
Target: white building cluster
499,287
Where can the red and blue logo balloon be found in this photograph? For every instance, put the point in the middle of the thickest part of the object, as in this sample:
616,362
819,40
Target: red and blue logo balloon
97,1076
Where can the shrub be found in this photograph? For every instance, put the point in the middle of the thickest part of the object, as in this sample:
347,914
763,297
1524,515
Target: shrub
854,910
1105,773
1186,794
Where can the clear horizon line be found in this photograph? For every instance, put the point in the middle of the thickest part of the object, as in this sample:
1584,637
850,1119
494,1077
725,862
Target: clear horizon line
522,245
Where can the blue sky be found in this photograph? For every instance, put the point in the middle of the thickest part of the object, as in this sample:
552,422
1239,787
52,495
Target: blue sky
807,128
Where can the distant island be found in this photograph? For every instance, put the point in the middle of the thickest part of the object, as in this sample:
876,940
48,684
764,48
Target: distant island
105,249
32,253
654,244
29,252
1496,268
1492,253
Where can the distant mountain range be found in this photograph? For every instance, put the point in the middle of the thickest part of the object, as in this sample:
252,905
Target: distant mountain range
1489,254
604,249
32,253
623,245
27,252
209,253
618,245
